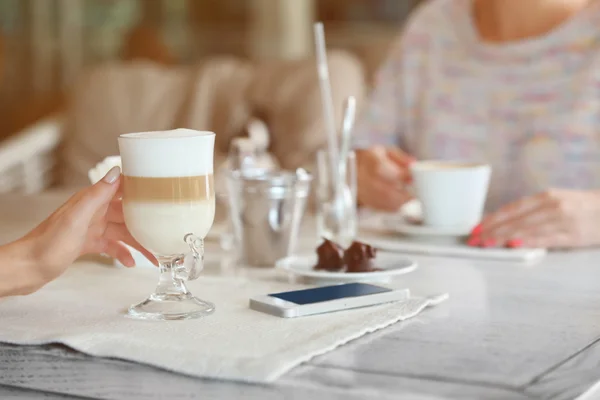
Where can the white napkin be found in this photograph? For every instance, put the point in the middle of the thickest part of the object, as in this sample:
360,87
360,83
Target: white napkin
98,172
84,309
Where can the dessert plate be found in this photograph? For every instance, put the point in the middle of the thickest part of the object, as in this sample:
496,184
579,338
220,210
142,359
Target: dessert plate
391,265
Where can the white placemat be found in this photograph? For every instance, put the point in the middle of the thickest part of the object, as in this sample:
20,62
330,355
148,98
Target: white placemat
455,250
84,309
375,232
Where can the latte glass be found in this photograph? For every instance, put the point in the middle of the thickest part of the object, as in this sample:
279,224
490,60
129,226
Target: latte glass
169,207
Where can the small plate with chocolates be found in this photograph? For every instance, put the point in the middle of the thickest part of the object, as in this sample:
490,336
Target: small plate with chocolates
359,262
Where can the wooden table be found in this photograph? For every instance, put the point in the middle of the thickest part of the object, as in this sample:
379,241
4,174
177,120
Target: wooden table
508,332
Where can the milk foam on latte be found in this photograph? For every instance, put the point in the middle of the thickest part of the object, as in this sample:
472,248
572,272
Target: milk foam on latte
168,188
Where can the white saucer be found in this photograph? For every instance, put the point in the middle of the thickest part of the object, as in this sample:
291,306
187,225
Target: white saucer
406,226
391,264
407,222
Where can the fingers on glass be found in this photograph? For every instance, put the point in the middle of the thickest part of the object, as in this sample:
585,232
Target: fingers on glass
119,232
118,251
115,212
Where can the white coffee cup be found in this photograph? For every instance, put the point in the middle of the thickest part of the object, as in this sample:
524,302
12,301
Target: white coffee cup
452,193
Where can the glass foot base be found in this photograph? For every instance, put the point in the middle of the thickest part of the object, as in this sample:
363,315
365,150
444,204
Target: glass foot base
171,307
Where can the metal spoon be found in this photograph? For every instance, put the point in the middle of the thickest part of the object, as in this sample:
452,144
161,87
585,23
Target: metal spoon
343,195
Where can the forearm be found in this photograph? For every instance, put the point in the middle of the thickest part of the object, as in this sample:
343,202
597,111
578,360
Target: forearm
18,270
592,202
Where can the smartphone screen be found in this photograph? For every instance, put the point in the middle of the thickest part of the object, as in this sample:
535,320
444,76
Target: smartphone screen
317,295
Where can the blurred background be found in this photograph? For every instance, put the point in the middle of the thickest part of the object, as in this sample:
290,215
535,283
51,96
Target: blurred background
75,74
45,44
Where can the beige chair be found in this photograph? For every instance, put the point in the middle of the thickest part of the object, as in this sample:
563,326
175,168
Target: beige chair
288,95
221,95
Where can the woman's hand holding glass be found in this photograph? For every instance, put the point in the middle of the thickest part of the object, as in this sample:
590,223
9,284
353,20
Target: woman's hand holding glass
89,222
383,176
554,219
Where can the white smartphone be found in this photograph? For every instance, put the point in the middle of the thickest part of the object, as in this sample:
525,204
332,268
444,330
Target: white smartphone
326,299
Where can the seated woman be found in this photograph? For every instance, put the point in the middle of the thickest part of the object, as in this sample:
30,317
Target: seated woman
89,222
514,83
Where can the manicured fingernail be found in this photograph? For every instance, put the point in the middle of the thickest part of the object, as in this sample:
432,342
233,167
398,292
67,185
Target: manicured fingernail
477,230
489,243
112,175
514,243
408,161
474,242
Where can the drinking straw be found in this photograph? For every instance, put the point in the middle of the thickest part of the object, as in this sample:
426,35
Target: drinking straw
346,139
327,101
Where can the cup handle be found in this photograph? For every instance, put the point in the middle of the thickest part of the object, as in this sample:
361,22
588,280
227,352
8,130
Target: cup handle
190,266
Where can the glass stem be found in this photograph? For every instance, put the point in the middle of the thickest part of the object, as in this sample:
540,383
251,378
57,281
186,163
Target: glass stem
167,283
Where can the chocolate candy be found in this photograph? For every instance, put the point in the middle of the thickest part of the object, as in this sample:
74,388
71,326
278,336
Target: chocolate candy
359,257
330,256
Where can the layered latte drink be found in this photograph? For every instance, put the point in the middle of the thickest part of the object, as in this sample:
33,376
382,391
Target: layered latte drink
168,188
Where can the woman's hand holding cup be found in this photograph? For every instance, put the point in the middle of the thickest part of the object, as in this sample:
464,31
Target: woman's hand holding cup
383,178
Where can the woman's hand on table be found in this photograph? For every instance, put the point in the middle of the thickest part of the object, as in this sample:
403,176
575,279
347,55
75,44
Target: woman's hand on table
383,174
89,222
554,219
